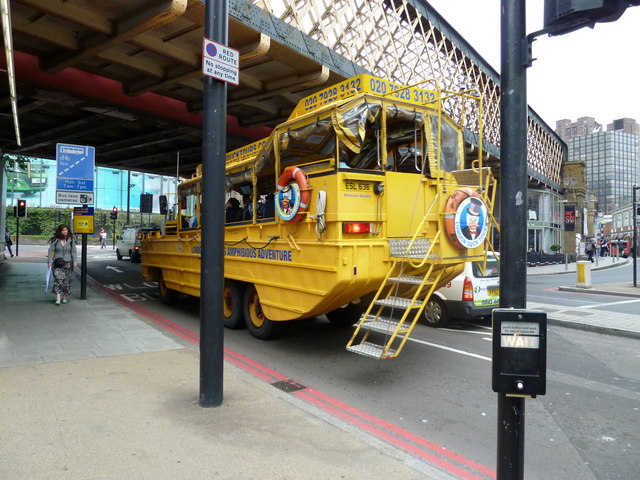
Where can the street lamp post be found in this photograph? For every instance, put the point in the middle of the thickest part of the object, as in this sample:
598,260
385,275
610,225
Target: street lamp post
634,213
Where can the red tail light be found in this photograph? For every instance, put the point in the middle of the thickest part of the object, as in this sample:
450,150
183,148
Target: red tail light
356,227
136,248
467,290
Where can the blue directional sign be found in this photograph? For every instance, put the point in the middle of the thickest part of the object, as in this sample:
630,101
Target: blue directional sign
75,173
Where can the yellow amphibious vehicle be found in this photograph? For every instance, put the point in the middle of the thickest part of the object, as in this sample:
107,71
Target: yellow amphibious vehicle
359,206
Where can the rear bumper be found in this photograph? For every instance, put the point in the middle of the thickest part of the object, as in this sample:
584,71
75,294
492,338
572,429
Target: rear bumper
468,310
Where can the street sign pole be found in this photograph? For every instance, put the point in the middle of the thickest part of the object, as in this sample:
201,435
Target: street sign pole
513,220
212,216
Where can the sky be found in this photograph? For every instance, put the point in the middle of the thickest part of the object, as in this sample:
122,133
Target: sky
586,73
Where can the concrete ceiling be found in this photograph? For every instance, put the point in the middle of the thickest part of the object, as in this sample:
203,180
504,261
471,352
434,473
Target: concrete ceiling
125,77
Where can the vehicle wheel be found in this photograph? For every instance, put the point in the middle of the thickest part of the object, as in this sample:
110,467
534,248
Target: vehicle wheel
435,313
346,316
258,324
118,256
167,295
232,305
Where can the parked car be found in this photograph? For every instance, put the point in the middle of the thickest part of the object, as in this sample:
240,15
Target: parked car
128,245
472,294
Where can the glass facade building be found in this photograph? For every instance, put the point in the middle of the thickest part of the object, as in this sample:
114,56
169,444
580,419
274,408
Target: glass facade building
545,227
112,186
611,158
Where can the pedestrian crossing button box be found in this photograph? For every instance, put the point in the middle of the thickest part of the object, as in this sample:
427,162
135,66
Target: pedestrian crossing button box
519,352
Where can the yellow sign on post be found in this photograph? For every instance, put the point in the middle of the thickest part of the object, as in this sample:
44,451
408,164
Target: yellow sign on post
83,220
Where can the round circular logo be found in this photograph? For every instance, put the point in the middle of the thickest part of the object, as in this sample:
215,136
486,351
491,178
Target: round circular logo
288,201
471,222
211,50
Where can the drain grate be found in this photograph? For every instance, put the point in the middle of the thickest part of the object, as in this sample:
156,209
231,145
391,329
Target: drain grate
288,386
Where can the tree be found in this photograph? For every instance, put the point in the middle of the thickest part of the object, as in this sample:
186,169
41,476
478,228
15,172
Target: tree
14,162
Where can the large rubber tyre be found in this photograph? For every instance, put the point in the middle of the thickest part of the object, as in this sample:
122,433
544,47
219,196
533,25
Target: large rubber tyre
346,316
232,305
257,322
435,312
167,296
118,256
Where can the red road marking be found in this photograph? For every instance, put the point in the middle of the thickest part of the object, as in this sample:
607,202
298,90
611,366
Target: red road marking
381,429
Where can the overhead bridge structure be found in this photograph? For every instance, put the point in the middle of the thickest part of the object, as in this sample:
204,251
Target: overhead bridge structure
125,76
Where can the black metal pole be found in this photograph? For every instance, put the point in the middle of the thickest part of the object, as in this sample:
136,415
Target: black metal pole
83,269
17,234
128,193
212,217
634,212
513,220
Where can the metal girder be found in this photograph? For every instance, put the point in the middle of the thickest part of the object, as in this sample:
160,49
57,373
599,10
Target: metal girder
151,69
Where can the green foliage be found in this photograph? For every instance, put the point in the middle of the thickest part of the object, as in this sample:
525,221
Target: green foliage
555,248
15,162
42,222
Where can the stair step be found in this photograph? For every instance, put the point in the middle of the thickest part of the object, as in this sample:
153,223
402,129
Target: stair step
411,279
384,325
399,248
372,350
397,302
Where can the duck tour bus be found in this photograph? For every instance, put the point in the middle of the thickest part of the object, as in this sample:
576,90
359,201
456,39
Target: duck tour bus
358,207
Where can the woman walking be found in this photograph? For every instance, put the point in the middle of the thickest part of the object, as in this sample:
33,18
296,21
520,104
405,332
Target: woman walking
62,258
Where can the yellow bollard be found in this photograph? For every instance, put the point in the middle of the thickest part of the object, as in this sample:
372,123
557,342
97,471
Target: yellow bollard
584,274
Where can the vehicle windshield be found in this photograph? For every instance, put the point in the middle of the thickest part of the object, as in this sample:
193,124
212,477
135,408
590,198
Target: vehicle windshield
491,270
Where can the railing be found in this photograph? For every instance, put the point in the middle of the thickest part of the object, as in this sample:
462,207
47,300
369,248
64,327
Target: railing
540,259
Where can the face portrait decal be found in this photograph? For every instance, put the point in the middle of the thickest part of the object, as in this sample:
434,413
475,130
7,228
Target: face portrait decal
288,201
471,222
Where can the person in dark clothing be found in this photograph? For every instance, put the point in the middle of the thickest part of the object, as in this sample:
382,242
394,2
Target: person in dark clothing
7,240
589,249
233,212
269,209
247,201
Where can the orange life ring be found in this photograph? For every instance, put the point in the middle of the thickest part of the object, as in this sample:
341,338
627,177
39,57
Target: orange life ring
292,209
451,212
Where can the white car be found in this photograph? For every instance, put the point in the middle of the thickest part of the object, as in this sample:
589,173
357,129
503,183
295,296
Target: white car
472,294
128,245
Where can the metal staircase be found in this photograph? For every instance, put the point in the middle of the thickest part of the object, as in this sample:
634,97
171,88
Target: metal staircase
406,289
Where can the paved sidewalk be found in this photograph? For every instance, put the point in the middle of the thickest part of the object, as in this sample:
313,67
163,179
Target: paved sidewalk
584,318
92,390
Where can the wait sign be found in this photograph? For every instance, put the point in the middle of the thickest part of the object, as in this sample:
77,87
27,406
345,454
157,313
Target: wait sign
220,61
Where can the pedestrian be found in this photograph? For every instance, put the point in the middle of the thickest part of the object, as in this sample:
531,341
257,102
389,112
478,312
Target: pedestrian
589,249
103,239
233,212
62,259
7,240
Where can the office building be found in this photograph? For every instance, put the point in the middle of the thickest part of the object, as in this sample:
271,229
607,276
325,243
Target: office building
611,158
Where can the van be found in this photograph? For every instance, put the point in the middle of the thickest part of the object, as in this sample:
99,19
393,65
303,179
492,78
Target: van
472,294
128,245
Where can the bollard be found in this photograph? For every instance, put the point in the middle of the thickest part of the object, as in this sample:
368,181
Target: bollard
584,274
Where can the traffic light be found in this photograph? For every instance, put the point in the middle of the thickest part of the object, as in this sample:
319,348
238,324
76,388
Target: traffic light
21,211
114,213
565,16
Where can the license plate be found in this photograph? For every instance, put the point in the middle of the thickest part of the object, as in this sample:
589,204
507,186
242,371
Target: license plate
493,292
357,186
37,180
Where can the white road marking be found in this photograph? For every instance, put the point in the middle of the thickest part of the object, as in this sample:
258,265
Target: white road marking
454,350
598,305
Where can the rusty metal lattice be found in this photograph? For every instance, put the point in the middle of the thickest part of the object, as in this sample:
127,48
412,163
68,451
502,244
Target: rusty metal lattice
405,40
